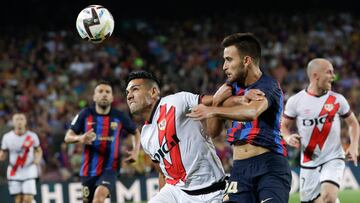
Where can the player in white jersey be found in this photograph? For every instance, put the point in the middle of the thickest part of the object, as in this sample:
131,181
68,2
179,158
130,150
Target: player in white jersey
317,111
189,169
25,155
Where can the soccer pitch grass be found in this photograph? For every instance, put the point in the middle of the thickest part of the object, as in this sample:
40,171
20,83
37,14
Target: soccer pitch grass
345,196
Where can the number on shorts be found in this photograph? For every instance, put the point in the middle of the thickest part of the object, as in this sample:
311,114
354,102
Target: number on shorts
232,187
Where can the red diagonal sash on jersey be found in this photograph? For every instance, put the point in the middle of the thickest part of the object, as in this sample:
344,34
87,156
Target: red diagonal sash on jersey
319,137
20,161
167,130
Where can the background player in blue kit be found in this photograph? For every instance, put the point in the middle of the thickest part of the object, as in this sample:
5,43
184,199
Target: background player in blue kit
101,129
260,170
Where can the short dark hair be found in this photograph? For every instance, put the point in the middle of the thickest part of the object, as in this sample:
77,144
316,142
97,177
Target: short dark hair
246,43
141,74
104,82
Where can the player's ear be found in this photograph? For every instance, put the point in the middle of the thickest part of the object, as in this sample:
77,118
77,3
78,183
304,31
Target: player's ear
247,60
155,92
315,76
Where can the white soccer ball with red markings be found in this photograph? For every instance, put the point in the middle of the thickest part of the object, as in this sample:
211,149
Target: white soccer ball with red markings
95,23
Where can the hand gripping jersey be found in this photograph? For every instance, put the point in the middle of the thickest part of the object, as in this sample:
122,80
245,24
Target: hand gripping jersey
21,152
185,153
318,123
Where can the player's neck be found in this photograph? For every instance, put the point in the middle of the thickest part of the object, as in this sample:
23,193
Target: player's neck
253,76
148,112
19,131
314,90
102,110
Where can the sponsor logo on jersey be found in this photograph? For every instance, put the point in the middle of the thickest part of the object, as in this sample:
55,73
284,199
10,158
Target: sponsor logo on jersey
316,121
90,123
111,139
164,149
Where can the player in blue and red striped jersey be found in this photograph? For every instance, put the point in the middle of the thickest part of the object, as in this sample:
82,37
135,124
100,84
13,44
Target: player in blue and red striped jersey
260,170
101,129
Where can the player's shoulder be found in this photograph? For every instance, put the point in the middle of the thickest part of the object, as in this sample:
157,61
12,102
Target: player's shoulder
30,132
295,98
268,80
8,134
181,94
336,94
298,95
173,97
268,84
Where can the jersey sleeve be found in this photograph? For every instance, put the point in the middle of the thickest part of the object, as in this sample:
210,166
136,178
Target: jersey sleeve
344,110
190,98
272,92
128,124
77,124
290,108
36,140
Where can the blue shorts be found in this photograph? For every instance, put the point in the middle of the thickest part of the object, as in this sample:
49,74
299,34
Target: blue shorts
264,178
90,183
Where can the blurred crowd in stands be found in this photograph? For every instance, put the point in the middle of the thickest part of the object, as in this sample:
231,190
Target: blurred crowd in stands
50,75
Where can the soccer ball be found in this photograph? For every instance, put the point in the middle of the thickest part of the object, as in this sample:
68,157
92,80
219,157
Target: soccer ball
95,23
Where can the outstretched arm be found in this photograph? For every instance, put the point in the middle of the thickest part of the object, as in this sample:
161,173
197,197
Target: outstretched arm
245,112
86,138
352,152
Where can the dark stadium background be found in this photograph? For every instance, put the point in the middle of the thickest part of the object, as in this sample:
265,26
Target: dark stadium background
33,20
61,13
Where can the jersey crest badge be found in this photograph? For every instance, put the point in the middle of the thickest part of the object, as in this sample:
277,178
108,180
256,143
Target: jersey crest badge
162,124
113,125
329,107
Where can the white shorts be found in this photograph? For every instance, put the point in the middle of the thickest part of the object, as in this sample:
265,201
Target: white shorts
171,193
311,179
26,187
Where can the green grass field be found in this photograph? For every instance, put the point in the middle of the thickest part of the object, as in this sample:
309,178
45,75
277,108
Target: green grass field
346,196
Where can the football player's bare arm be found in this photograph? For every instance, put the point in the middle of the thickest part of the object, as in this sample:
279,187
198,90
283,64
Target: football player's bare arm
86,138
291,139
3,155
223,98
37,155
352,152
207,100
245,112
161,176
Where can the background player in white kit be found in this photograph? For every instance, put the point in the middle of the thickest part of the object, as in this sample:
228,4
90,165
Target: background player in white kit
189,169
25,155
316,111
